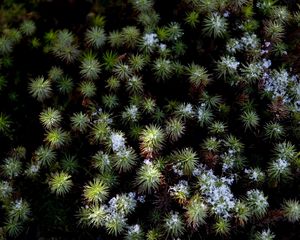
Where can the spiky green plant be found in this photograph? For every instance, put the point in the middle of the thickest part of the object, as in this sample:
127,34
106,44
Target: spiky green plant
291,210
192,19
11,167
151,140
115,39
95,191
69,163
187,158
198,75
6,45
110,59
222,227
148,177
173,225
65,85
124,160
45,155
241,213
90,67
122,71
112,84
57,138
250,119
93,216
87,88
13,228
257,203
227,67
28,27
163,69
134,85
217,127
274,31
110,101
80,122
95,37
279,170
215,26
196,212
99,132
274,130
130,36
40,88
134,232
55,73
211,144
65,47
115,224
149,105
19,210
285,150
137,62
175,128
5,123
264,235
60,183
50,118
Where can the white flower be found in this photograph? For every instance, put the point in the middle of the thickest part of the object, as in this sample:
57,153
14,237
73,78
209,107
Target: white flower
150,39
117,141
281,164
266,63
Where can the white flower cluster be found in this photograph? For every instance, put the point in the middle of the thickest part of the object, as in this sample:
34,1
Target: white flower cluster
134,230
177,169
119,207
250,41
254,174
180,189
117,141
123,204
173,220
281,164
279,84
247,42
132,112
228,159
150,39
230,62
185,110
217,192
257,199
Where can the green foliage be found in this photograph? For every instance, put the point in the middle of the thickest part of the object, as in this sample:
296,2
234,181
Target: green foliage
90,67
40,88
173,225
57,138
250,119
60,183
50,118
95,37
95,191
291,209
215,26
148,178
151,140
5,123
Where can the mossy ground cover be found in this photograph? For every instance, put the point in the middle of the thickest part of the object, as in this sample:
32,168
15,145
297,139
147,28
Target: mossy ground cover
149,119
